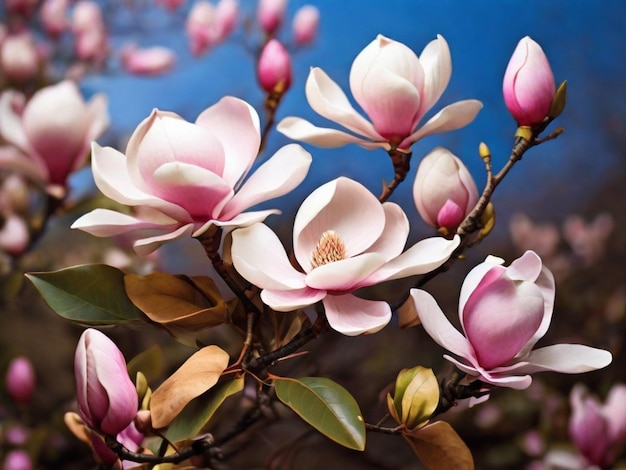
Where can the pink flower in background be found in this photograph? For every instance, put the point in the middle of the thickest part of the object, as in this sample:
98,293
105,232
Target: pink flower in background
19,58
504,311
305,24
598,430
225,19
270,15
20,380
209,25
148,61
184,177
528,85
395,88
53,15
17,459
91,40
274,67
171,5
343,239
107,398
444,190
58,146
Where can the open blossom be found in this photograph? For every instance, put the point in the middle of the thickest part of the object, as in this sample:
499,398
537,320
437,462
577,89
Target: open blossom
107,398
343,239
395,88
184,177
528,84
444,190
58,146
598,430
504,311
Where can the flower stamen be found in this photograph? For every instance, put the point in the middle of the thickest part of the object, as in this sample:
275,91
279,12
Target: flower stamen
329,249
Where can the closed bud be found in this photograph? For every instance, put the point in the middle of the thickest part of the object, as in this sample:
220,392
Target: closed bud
305,24
270,15
415,397
107,398
528,84
20,380
444,191
274,67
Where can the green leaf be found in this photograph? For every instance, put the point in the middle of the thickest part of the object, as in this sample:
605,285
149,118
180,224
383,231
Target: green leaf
196,415
326,406
90,294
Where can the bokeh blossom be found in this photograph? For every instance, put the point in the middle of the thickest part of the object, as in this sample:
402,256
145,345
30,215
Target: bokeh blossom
504,311
395,88
343,239
184,177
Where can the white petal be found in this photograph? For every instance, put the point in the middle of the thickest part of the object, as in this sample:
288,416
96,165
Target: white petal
12,129
145,246
288,300
391,242
259,257
300,129
567,359
437,65
107,223
345,275
353,316
244,219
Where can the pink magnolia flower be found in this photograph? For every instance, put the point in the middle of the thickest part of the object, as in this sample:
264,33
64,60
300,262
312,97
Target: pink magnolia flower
91,40
504,311
305,24
17,459
53,16
148,61
56,146
274,67
598,430
395,88
19,58
20,380
107,398
86,15
343,239
270,15
184,177
444,190
528,85
200,27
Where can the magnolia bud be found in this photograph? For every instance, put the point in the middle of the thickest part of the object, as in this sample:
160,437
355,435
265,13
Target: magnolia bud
270,14
274,67
20,380
107,398
415,397
528,85
444,191
19,57
305,24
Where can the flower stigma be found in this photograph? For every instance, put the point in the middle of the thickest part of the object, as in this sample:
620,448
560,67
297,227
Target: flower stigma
329,249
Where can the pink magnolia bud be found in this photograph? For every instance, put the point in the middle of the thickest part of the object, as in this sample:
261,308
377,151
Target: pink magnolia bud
85,16
107,398
17,460
19,58
53,16
270,15
444,190
20,380
200,26
528,85
149,61
274,67
14,236
305,24
226,14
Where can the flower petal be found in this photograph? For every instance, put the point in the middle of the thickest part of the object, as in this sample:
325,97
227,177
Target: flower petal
391,242
288,300
437,65
12,129
566,358
282,173
439,327
107,223
300,129
259,257
353,316
145,246
345,275
236,124
328,100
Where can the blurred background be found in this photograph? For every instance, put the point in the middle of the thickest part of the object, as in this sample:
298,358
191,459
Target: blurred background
565,199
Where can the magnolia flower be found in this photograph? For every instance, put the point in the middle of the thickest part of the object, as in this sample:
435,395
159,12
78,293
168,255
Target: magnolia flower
305,24
107,398
274,67
19,59
395,88
56,146
53,16
444,190
598,430
504,311
343,239
528,84
184,177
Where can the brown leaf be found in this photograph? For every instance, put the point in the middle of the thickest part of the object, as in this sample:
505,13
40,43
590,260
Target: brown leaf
191,303
407,314
76,426
197,375
439,447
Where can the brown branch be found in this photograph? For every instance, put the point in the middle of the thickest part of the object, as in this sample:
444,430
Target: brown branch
401,166
197,448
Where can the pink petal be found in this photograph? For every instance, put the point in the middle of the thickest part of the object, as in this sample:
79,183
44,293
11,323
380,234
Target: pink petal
244,219
107,223
437,65
343,206
345,275
98,116
391,242
567,359
353,316
237,126
259,257
145,246
421,258
300,129
450,118
438,326
327,99
475,276
282,173
288,300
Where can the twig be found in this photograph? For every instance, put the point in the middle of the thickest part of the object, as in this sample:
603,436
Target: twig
401,166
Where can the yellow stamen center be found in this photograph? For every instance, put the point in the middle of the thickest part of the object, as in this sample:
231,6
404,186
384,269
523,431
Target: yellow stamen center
330,248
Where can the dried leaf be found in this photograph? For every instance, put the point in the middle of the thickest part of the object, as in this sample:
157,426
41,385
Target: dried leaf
439,447
197,375
407,314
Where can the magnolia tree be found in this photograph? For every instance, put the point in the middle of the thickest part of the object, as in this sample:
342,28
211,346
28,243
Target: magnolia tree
178,179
